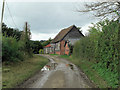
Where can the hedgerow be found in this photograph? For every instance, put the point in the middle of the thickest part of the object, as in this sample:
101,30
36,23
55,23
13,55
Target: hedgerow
101,46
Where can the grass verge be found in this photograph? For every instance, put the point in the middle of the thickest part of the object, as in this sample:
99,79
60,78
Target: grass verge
15,73
54,54
65,56
87,67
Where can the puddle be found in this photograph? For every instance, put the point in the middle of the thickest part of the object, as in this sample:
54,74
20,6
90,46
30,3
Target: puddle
45,68
58,73
51,66
71,66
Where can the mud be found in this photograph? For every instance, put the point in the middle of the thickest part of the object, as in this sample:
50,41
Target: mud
63,74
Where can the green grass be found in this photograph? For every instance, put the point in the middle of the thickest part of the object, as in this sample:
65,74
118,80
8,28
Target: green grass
65,56
87,67
15,73
54,54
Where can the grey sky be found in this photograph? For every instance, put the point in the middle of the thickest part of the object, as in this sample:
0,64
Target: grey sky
46,19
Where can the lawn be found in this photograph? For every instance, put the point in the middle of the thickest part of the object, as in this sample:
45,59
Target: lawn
15,73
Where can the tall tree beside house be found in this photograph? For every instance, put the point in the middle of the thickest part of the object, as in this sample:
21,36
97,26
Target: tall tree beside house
26,39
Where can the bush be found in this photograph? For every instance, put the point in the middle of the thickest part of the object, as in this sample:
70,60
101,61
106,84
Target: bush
84,48
101,46
11,49
41,51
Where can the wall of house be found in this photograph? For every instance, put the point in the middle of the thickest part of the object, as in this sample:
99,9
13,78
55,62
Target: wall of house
67,50
62,47
57,52
47,50
73,41
53,48
57,46
73,36
50,49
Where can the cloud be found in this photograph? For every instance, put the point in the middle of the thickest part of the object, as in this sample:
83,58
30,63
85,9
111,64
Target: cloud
46,18
60,0
86,28
42,36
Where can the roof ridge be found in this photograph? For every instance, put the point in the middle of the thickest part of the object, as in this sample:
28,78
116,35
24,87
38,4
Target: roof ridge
62,33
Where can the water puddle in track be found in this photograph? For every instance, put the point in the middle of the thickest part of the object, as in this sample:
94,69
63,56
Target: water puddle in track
59,73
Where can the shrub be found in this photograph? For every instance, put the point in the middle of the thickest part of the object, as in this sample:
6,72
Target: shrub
101,46
41,51
11,49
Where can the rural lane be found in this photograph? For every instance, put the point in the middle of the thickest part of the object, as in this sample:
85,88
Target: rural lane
64,75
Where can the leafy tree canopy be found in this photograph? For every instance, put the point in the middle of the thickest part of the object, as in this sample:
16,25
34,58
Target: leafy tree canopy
11,32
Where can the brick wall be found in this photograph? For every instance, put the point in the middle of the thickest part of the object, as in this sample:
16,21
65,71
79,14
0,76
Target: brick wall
57,52
62,48
67,50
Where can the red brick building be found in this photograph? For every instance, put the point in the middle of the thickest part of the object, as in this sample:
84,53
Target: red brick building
64,39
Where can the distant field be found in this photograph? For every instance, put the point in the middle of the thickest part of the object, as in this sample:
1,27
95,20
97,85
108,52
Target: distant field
16,73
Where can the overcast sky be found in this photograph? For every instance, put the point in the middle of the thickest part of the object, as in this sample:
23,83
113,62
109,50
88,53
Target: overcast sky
46,19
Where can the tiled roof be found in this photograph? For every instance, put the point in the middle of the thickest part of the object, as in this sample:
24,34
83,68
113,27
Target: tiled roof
48,45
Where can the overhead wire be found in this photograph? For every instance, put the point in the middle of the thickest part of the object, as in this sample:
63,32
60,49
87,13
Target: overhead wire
11,15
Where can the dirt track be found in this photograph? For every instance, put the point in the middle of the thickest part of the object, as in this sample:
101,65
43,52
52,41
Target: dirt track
60,77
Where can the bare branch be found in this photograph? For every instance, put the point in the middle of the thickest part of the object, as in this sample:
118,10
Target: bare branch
102,9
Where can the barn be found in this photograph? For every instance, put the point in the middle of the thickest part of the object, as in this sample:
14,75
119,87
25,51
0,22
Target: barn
64,39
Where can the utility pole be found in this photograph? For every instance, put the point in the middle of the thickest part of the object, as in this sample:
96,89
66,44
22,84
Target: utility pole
1,44
119,42
2,16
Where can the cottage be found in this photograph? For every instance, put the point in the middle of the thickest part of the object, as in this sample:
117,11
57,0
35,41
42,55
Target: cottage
65,38
47,49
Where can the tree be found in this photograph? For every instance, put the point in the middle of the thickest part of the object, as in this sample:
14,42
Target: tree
44,43
36,46
109,10
11,32
26,35
103,9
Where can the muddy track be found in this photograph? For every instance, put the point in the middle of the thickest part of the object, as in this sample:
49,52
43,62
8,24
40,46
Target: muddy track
63,75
